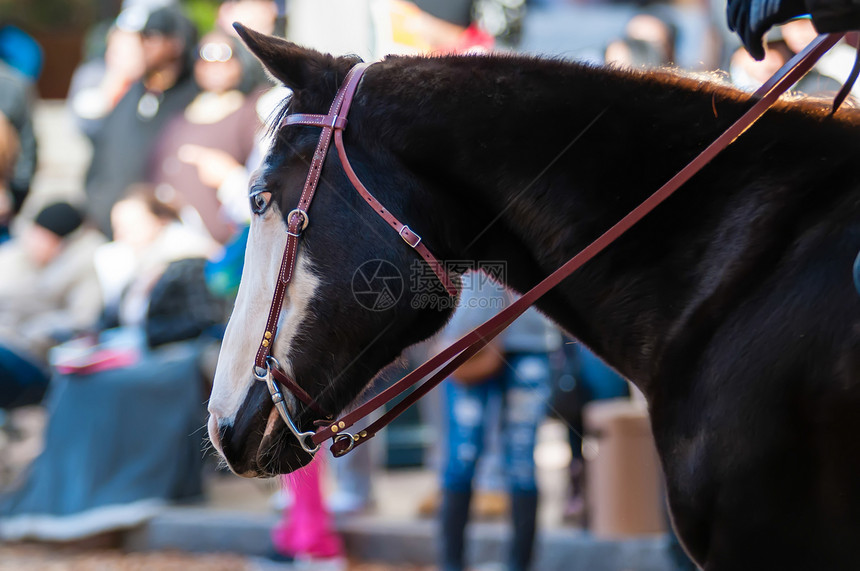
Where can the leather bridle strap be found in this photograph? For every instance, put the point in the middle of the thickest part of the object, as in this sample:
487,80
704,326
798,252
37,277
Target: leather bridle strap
297,221
405,232
468,345
336,121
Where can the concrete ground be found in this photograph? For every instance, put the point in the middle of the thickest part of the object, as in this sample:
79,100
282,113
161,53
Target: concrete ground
237,516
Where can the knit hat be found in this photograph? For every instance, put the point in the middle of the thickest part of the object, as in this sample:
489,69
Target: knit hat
61,218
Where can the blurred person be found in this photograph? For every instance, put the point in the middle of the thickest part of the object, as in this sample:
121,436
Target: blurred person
750,74
798,33
515,368
587,379
122,146
21,51
835,64
108,386
373,30
655,30
17,95
214,136
259,15
98,84
148,236
9,150
500,19
634,54
48,291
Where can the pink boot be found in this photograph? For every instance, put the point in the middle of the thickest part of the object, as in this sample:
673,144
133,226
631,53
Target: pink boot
305,531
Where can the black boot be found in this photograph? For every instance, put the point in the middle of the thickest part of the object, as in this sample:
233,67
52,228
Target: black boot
524,516
453,515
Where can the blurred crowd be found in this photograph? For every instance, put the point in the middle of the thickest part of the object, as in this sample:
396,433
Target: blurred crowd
113,301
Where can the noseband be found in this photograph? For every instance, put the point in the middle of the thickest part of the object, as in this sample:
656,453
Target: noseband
266,368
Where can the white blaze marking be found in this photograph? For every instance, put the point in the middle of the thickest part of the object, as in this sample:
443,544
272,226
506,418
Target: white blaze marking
234,376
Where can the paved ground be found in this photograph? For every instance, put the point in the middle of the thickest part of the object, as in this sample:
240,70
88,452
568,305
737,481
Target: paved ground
41,558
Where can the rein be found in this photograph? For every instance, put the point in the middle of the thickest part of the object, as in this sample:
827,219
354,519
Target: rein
266,367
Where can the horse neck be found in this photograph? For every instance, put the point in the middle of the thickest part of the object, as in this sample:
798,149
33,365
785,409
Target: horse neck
533,160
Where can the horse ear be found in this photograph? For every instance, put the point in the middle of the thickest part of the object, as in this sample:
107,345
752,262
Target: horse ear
293,65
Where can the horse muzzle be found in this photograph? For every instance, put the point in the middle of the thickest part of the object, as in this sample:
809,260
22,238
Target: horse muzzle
257,444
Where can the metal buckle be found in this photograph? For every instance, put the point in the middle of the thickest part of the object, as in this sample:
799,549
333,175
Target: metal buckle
272,362
305,220
405,227
281,406
352,440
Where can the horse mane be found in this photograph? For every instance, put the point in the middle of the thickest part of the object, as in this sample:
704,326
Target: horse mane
670,79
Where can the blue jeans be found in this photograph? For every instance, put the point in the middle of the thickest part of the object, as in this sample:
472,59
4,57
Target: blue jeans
22,382
523,386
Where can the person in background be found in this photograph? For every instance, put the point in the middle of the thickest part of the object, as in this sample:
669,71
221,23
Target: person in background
21,51
139,362
259,15
588,379
634,54
836,64
750,74
148,236
516,369
9,150
122,147
655,30
17,95
648,42
48,292
216,133
99,83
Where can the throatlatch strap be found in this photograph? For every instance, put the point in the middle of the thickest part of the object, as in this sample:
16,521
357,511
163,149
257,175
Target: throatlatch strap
460,351
410,237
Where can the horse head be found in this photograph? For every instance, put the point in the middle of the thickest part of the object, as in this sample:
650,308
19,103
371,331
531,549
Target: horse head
351,306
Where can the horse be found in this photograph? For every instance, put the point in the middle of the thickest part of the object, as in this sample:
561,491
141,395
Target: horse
731,306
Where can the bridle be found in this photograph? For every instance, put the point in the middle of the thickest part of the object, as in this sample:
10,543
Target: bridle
267,369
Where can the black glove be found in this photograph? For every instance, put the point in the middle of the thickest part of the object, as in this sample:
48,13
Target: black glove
751,19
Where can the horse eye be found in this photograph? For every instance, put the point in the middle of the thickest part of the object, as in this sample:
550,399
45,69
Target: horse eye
259,202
